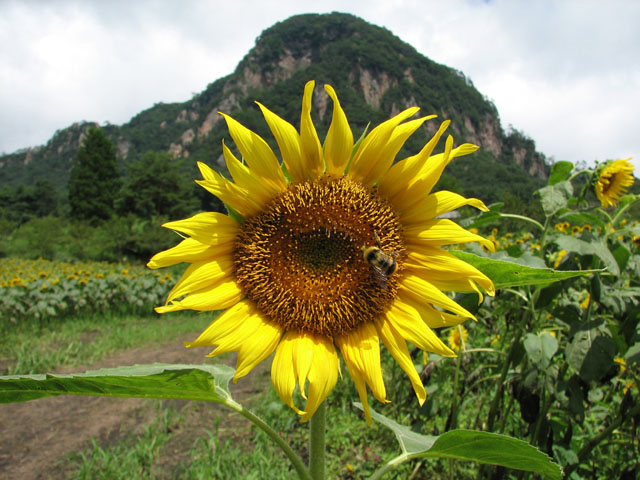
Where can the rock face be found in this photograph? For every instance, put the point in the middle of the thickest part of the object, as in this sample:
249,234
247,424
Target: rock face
374,72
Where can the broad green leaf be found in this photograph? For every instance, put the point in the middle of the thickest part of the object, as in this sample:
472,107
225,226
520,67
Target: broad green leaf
572,244
621,254
507,274
475,446
540,348
555,197
577,350
560,171
599,359
186,382
633,354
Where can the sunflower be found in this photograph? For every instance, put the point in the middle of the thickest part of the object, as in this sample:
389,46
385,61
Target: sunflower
612,180
335,249
457,337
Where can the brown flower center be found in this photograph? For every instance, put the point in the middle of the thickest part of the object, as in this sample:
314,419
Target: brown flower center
301,259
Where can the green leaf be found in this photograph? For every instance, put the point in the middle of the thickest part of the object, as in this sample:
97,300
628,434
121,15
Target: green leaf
560,172
475,446
186,382
599,359
633,354
540,348
572,244
555,197
621,254
508,274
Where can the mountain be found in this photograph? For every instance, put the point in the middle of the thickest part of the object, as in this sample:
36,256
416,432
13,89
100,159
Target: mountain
375,74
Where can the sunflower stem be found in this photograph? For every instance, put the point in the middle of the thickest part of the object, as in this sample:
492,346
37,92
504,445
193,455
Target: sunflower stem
317,426
296,461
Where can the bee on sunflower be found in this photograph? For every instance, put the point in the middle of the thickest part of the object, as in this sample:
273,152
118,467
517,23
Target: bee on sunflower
287,265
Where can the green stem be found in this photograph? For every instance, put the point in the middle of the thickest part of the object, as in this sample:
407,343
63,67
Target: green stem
317,443
453,414
378,474
580,172
522,217
593,442
296,461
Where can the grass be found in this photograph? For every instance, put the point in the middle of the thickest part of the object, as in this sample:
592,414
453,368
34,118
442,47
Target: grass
38,346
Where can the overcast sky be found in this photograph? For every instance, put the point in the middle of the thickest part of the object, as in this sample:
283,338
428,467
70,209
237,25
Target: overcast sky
566,73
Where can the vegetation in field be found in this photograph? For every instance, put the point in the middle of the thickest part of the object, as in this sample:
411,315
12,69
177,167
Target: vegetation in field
45,289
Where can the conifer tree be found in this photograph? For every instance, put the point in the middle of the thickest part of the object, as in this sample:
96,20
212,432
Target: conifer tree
94,181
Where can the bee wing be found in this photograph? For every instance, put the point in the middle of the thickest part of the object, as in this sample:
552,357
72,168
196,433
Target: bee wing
380,276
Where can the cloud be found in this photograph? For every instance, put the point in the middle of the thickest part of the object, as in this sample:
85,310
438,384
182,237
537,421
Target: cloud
565,73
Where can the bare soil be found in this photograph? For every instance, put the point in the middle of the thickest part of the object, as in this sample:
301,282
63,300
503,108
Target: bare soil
37,436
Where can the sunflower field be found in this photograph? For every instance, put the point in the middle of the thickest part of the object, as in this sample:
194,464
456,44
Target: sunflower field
44,288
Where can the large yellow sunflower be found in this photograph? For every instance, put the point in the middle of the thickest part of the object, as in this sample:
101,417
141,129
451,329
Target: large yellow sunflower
612,181
332,250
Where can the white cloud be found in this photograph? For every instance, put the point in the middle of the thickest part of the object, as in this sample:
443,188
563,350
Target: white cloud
566,73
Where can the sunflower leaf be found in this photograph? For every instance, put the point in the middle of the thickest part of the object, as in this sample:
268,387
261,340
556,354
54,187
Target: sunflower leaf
186,382
555,197
560,172
475,446
508,274
571,244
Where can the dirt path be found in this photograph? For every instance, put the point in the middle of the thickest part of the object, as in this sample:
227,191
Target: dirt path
35,435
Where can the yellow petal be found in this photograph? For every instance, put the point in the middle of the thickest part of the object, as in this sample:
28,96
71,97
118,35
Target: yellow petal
309,141
429,174
258,155
260,191
322,376
440,232
232,195
431,316
211,228
202,275
189,250
361,352
226,323
370,151
398,349
216,297
435,204
288,142
256,346
403,173
436,264
425,292
283,375
398,138
407,322
339,142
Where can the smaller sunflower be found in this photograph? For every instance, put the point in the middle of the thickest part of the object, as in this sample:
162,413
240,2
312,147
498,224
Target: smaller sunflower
612,180
457,337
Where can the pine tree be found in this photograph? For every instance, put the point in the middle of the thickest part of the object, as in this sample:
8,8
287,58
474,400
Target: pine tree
94,181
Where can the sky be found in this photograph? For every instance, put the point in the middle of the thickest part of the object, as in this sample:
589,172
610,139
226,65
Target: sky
565,73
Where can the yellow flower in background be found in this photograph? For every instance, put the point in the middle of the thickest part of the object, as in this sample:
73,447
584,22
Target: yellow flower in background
636,240
586,227
455,340
613,179
585,303
559,257
341,252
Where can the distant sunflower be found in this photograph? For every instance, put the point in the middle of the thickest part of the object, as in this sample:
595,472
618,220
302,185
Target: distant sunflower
288,266
457,337
612,180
